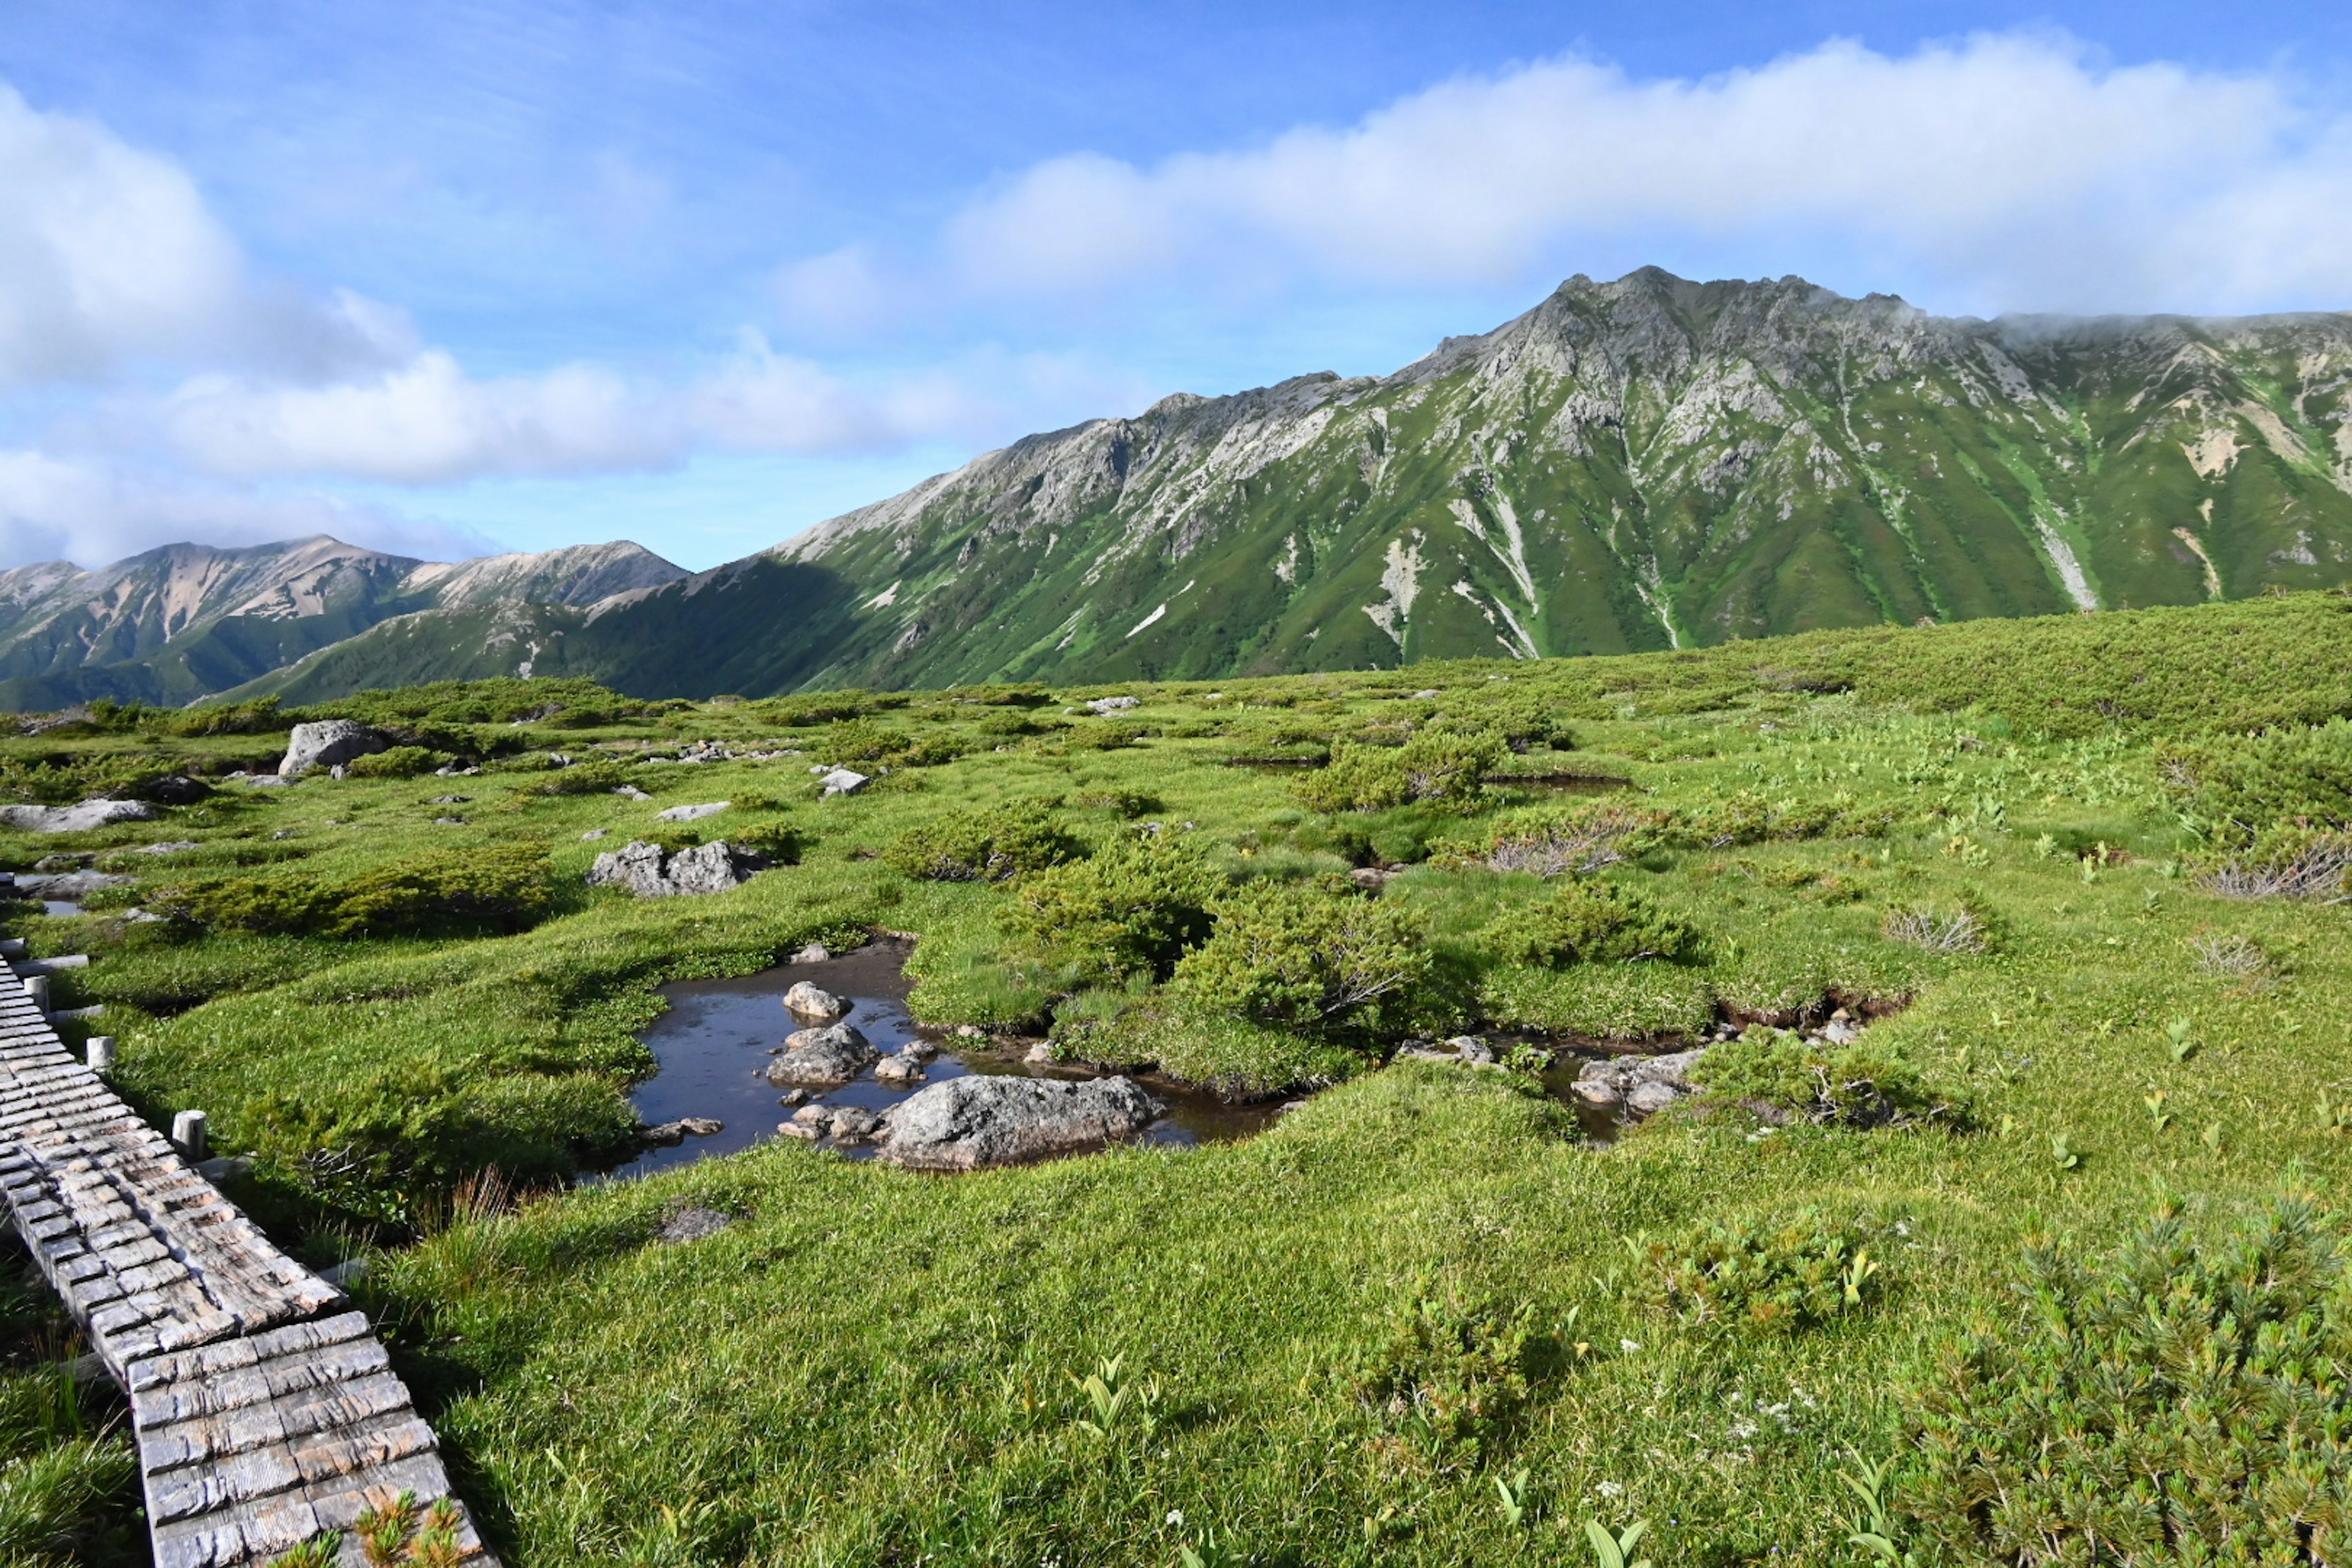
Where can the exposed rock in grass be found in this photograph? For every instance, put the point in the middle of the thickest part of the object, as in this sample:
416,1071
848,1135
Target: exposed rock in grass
834,1054
692,1222
327,743
844,780
970,1123
78,818
1641,1085
650,873
691,812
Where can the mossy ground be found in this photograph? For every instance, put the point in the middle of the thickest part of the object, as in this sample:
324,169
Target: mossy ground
876,1367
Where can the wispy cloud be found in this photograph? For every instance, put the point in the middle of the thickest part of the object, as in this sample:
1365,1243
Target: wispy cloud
54,508
2014,170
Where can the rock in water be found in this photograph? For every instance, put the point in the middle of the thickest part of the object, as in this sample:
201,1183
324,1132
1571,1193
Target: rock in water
647,872
834,1054
904,1071
78,818
969,1123
808,1001
326,743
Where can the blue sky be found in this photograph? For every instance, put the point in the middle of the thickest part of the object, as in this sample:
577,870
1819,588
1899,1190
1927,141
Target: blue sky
451,279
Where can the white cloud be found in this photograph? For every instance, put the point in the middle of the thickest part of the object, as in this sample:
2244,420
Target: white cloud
427,422
53,508
2012,169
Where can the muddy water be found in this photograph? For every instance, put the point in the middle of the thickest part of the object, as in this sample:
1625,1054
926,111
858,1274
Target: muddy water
714,1045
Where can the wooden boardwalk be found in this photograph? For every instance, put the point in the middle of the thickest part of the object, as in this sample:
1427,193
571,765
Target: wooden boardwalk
264,1413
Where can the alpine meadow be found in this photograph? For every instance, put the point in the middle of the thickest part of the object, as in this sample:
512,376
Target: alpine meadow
1711,928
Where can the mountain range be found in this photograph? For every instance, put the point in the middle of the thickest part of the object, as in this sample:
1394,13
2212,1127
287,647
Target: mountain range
1646,463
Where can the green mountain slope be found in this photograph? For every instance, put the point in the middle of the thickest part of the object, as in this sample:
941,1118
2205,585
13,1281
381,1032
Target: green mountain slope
1643,464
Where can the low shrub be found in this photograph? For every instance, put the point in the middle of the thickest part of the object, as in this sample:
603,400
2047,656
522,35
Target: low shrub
779,841
1310,958
1859,1085
1749,818
1098,735
2239,787
1576,842
1139,904
1965,926
1443,1381
1446,767
503,890
1129,804
259,717
1773,1277
598,777
2293,862
397,762
1234,1059
1588,922
991,846
2172,1401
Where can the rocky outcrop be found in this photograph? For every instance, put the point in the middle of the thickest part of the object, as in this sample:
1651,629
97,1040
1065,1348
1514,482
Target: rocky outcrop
814,1058
1642,1086
329,742
690,813
971,1123
80,818
651,872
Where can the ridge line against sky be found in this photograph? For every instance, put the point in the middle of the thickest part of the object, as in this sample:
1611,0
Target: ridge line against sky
447,279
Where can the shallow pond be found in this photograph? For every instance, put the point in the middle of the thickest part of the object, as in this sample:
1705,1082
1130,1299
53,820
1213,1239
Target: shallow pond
714,1045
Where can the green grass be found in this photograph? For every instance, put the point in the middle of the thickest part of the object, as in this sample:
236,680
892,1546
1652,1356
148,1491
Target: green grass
874,1367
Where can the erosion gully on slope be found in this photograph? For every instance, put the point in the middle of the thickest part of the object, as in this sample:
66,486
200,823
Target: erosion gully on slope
716,1042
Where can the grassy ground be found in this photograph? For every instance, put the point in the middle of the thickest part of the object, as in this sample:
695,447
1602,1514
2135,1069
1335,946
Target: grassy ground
876,1367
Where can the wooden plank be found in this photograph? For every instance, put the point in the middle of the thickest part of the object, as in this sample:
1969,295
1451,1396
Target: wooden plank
259,1424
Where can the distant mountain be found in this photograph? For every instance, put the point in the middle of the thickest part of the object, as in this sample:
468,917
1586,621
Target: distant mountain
189,620
1641,464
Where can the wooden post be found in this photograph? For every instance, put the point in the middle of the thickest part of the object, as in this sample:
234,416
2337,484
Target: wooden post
98,1052
188,1135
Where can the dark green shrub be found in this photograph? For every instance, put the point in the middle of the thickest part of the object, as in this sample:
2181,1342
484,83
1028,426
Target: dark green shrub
1765,1277
1009,723
2171,1403
1308,958
779,841
1098,735
599,778
1441,1382
1127,802
1860,1085
1138,905
259,717
1588,922
500,890
397,762
2237,788
2292,861
1445,766
984,845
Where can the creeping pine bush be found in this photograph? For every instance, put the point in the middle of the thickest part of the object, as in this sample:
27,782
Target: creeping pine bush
2295,861
1442,1381
1576,842
1308,957
1588,922
1859,1085
397,762
502,890
984,845
2237,788
2172,1401
1441,766
1767,1277
599,778
1749,818
1140,904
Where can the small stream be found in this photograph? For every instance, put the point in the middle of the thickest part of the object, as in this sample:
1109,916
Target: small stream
714,1045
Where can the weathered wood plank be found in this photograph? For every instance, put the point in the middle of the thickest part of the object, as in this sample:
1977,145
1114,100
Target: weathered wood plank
259,1424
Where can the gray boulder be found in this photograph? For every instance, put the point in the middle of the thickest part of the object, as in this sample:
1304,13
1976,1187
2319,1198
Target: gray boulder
78,818
904,1071
328,744
834,1054
647,872
844,780
75,885
1642,1085
807,1001
691,812
970,1123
